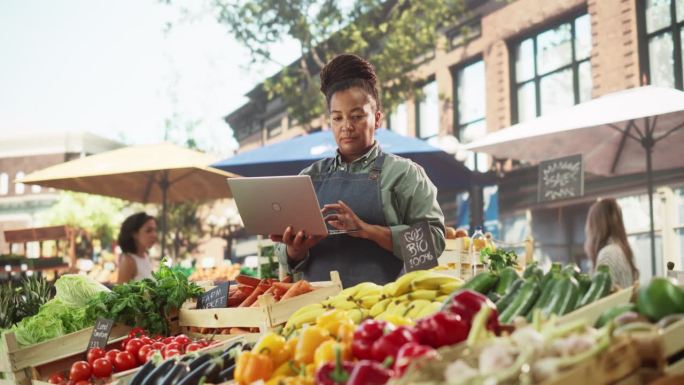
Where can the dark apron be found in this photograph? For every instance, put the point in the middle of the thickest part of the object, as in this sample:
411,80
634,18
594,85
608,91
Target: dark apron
356,259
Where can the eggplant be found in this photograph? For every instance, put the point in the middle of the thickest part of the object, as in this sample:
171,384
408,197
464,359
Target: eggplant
178,371
199,361
142,373
226,374
205,370
157,373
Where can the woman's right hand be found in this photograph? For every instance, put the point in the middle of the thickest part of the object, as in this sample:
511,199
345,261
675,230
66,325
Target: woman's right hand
297,244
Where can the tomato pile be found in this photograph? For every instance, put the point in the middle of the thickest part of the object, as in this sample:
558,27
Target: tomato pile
135,351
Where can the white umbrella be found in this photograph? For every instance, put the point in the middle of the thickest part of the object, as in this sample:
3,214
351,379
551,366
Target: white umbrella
616,135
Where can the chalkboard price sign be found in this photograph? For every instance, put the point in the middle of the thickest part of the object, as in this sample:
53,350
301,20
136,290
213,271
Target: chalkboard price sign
216,297
417,247
561,178
101,331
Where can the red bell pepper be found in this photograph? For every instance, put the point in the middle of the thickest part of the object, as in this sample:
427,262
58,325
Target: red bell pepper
389,344
334,373
369,373
467,303
442,329
408,353
365,335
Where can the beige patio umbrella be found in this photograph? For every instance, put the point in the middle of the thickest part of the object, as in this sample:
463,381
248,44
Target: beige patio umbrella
159,173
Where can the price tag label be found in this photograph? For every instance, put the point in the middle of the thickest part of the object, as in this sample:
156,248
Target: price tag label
417,247
216,297
101,331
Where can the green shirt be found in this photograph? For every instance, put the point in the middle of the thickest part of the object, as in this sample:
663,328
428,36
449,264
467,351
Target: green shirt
408,196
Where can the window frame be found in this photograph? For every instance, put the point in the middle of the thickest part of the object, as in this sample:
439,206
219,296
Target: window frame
675,29
421,85
454,70
574,64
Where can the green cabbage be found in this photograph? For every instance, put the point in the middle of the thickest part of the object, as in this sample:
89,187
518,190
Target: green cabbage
39,328
75,290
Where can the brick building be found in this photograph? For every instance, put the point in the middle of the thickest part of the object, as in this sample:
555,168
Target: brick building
518,60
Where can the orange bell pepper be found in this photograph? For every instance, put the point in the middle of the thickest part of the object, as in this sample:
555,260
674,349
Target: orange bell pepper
251,367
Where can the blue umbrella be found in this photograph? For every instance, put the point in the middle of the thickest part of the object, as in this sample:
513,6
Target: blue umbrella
289,157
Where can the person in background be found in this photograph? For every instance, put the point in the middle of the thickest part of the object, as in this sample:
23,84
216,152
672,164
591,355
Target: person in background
138,233
374,194
606,242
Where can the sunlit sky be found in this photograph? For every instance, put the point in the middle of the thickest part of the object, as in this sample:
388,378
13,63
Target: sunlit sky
114,68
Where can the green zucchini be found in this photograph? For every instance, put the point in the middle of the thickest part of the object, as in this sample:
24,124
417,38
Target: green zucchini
600,286
507,298
552,274
481,283
571,269
545,296
493,296
584,281
612,313
523,302
506,279
533,270
564,297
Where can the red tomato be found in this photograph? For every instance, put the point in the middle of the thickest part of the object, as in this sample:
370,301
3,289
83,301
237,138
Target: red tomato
94,354
82,382
134,345
147,340
80,371
111,355
142,353
173,345
125,361
182,340
171,352
192,347
56,379
204,343
168,340
158,345
102,368
150,354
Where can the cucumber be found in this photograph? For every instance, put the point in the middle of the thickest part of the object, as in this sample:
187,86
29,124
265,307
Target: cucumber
522,303
481,283
600,286
506,278
507,298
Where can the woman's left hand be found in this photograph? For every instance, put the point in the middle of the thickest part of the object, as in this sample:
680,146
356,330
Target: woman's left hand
344,218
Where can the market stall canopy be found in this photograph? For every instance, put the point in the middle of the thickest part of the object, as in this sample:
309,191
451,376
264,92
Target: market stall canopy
627,132
139,174
291,156
599,129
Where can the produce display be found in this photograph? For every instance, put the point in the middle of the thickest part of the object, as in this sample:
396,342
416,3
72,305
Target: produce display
221,273
18,301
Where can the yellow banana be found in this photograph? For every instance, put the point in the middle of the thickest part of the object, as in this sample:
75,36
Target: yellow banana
370,300
389,288
343,304
423,294
449,287
307,317
416,306
432,281
399,309
441,298
379,307
357,315
305,309
369,288
431,308
403,284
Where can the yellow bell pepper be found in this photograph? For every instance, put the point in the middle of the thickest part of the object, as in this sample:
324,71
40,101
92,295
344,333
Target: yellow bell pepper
345,333
326,352
273,345
285,369
253,366
332,319
309,340
276,380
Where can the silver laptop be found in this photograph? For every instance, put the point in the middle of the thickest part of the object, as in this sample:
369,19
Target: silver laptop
268,205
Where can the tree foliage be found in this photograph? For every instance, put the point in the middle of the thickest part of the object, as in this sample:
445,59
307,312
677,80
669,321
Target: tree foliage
391,34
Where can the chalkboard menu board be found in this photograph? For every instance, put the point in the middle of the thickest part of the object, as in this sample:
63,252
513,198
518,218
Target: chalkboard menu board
417,248
216,297
561,178
101,331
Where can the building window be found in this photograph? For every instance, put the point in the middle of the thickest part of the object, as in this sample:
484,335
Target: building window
552,69
664,30
398,120
427,111
36,189
19,187
4,183
274,128
470,109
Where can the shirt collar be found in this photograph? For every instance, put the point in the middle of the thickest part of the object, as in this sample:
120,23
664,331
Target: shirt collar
368,156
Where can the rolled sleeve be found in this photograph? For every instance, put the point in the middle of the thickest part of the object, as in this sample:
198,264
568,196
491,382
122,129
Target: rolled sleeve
286,265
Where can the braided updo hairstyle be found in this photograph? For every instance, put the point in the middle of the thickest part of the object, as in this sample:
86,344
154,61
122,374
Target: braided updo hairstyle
348,71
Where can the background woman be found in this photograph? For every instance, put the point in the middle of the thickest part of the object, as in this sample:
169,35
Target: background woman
137,235
606,242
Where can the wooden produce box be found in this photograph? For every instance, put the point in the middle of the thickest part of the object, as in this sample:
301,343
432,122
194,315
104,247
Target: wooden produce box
593,311
673,347
268,315
21,365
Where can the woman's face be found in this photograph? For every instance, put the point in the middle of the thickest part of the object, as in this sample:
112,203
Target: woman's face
354,119
146,237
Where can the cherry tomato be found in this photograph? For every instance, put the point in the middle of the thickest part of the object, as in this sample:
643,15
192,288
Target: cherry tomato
182,340
142,353
80,371
102,368
192,347
56,379
171,346
147,340
94,354
134,345
204,343
168,340
158,345
111,355
171,352
125,361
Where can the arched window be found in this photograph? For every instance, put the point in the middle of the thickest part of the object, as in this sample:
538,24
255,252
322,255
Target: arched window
4,183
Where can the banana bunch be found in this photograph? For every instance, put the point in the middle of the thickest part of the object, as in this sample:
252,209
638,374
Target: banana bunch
304,315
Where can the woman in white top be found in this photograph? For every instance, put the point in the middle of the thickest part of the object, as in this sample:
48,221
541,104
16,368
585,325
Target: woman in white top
606,242
138,233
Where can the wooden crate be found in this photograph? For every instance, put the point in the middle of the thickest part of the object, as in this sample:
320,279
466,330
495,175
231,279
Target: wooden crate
593,311
20,365
267,316
673,346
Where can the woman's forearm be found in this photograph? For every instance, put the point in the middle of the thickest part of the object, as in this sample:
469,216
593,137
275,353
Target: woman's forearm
381,235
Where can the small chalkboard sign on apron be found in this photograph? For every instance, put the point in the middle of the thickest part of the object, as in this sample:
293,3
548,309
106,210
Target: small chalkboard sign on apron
417,247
